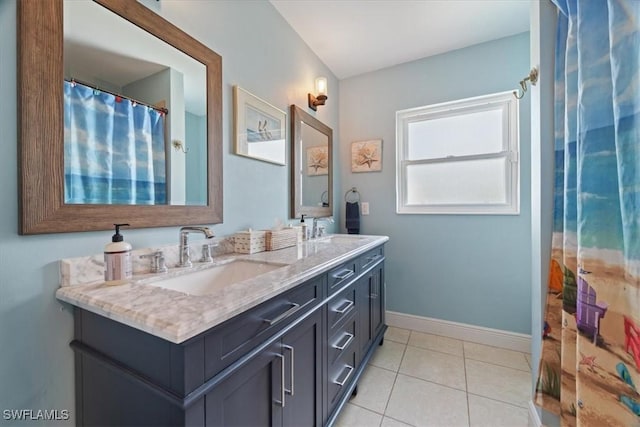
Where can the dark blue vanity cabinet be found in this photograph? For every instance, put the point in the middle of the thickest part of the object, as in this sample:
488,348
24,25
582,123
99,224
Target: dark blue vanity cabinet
291,361
370,294
281,385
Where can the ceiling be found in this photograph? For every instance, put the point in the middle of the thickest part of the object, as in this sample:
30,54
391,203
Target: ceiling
358,36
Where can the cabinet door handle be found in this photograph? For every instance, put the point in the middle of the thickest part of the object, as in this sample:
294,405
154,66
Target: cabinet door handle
292,370
343,274
346,344
294,307
346,307
282,389
346,377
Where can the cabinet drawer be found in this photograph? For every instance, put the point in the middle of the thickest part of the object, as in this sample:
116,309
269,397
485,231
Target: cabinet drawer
370,258
340,307
340,375
341,275
342,340
236,337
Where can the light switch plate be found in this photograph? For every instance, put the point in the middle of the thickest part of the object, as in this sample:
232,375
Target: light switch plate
365,208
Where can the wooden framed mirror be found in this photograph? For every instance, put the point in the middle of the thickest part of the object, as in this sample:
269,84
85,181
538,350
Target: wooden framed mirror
41,72
311,165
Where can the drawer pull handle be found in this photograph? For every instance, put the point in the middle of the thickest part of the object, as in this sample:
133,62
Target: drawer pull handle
346,307
346,377
372,259
343,274
292,371
346,344
282,389
294,307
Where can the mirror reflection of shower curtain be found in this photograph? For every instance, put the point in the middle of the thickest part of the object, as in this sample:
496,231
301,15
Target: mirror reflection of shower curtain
114,149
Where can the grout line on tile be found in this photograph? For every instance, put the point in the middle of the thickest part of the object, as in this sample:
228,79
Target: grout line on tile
497,364
380,367
499,401
386,405
365,408
400,421
432,382
437,351
494,346
404,351
466,385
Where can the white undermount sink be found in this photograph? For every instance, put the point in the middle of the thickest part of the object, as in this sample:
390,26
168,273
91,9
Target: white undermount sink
215,278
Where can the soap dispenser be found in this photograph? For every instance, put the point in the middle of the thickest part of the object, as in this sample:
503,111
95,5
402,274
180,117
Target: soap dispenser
305,235
117,258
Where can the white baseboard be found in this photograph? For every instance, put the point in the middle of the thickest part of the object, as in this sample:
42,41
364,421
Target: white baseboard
461,331
534,417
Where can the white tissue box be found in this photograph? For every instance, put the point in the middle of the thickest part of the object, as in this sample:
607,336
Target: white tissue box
250,242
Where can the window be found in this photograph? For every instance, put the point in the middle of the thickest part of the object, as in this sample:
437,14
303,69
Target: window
459,157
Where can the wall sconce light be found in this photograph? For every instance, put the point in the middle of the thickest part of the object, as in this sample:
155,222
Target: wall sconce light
321,97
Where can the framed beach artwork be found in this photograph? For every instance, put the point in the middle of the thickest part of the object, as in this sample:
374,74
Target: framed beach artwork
259,128
318,160
366,156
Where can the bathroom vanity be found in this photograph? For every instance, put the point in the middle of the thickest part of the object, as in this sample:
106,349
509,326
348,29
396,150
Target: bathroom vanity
285,347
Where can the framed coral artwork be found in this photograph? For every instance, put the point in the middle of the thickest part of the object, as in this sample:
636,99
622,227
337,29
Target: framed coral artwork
366,156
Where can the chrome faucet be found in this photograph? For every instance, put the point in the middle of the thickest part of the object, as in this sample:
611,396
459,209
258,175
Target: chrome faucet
157,262
318,231
185,254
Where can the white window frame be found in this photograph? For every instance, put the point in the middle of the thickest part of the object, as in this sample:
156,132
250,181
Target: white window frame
510,151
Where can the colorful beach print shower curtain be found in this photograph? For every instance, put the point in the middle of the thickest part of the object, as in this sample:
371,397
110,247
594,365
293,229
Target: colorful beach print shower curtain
590,367
114,149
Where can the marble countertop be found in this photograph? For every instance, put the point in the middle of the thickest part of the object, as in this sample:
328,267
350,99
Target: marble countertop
177,316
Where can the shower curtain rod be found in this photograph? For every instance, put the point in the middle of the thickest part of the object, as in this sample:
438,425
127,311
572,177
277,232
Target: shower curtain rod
161,109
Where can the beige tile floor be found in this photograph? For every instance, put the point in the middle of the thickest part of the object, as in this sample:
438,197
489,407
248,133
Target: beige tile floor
418,379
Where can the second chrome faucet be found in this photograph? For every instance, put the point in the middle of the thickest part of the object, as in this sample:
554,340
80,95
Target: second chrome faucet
185,253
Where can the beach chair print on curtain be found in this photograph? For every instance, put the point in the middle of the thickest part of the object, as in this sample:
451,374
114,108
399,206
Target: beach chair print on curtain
632,339
589,311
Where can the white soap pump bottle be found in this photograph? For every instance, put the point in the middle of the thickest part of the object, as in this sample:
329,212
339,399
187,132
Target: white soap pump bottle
117,258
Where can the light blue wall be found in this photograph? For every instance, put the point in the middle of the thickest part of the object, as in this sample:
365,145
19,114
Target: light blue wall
472,269
262,54
196,158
